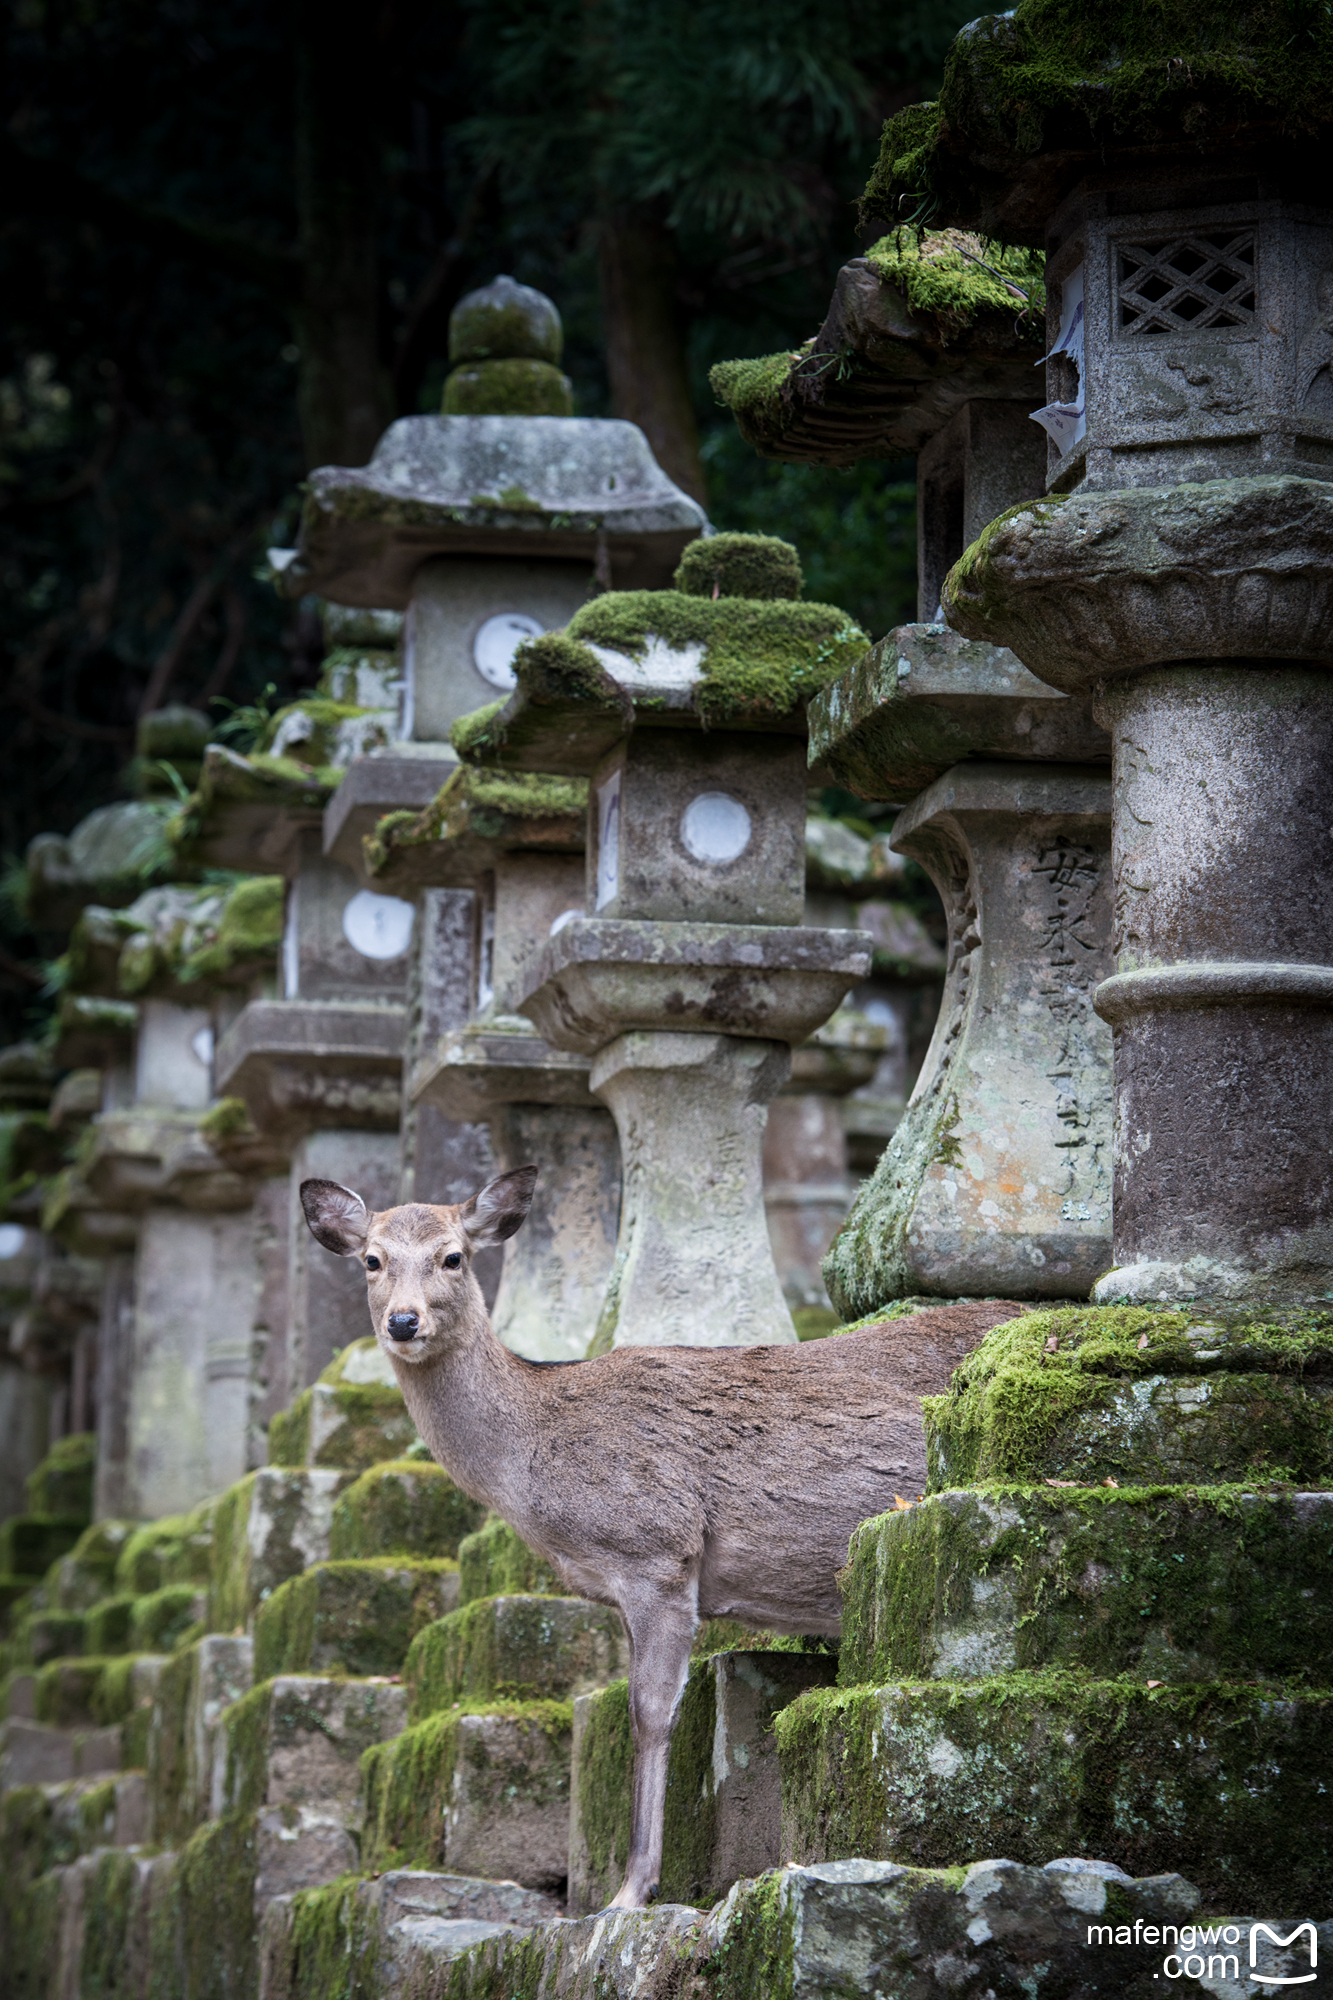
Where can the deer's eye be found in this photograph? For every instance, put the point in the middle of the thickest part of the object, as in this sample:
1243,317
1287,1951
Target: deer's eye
453,1260
372,1263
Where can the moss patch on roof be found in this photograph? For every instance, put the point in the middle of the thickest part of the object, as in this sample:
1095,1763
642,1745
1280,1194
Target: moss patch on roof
762,657
1055,76
490,805
761,566
954,274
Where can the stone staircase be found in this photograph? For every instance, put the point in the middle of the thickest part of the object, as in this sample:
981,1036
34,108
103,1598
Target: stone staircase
272,1749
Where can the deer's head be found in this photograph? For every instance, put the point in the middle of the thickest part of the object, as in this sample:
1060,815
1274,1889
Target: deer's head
418,1258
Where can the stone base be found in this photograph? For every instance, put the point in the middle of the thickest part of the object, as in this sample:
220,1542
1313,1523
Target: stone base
479,1794
693,1266
1181,1586
515,1649
298,1740
1233,1784
724,1807
303,1065
871,1927
556,1268
354,1618
402,1508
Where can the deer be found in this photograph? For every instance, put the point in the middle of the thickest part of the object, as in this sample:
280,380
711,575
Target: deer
673,1483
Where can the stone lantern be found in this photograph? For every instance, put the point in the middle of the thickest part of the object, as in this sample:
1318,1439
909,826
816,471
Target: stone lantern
516,842
998,1176
486,525
1177,575
687,975
317,1058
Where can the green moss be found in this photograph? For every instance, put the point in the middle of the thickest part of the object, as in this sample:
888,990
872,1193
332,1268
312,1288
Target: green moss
349,1617
502,806
229,1578
494,1562
1161,1583
472,733
1054,77
65,1692
953,275
106,1969
1229,1785
40,1636
604,1778
504,320
174,1549
63,1483
30,1543
407,1507
228,1119
731,565
761,659
125,1693
164,1617
108,1625
512,1648
341,1424
976,584
1041,1397
409,1783
331,1950
217,1916
249,929
168,1750
755,1952
32,1844
516,387
755,386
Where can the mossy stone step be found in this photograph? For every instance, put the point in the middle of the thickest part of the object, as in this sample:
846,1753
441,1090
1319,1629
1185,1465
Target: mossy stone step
869,1927
724,1803
1166,1583
268,1527
154,1623
1231,1784
87,1574
479,1792
494,1562
40,1636
404,1507
30,1543
174,1549
185,1753
386,1934
1144,1397
63,1483
298,1740
515,1649
351,1617
346,1425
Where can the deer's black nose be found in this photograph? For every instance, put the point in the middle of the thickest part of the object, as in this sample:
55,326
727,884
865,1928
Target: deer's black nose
403,1326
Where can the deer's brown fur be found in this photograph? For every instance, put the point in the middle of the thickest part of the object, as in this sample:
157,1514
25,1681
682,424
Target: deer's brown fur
675,1483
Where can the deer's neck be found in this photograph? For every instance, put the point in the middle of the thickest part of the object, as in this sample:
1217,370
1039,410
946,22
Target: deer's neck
473,1408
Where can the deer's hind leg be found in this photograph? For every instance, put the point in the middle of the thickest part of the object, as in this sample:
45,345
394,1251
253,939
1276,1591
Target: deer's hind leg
661,1631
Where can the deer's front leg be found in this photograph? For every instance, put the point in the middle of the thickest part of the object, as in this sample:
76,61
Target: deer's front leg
661,1631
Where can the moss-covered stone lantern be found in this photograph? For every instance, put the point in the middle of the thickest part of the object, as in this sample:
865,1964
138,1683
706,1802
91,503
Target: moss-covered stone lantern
486,525
516,840
999,1173
1173,163
687,975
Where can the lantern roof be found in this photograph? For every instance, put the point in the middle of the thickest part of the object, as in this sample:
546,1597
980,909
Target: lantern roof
1035,98
919,325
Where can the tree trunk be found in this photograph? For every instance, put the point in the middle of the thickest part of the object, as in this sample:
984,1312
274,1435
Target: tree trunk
645,348
344,390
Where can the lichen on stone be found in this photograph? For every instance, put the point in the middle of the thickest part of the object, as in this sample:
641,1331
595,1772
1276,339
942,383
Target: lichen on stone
402,1507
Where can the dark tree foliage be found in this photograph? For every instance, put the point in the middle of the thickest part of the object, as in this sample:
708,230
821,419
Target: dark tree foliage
230,240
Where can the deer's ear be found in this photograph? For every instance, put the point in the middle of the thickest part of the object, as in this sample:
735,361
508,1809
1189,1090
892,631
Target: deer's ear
338,1218
496,1211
